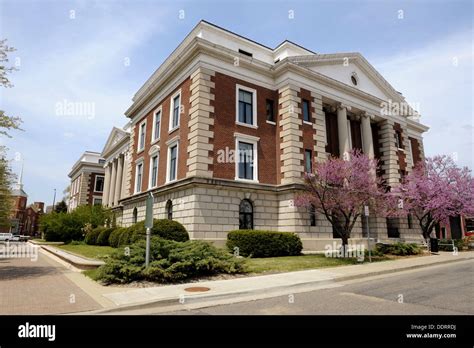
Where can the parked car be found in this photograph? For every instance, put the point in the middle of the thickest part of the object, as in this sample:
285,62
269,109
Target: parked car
24,238
6,237
15,238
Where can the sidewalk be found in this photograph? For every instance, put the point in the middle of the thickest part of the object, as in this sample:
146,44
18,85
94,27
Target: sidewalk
257,287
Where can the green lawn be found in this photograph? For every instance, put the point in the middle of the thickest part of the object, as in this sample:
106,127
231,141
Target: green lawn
90,251
298,263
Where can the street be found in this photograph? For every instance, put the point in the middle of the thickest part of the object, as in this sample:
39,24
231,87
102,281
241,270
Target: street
447,289
29,286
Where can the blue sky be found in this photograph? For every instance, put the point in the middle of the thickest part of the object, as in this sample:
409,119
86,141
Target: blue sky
427,55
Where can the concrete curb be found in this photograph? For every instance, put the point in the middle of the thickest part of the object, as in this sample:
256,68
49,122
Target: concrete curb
205,297
79,262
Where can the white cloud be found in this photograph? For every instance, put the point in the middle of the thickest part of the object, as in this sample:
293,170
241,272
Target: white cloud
439,78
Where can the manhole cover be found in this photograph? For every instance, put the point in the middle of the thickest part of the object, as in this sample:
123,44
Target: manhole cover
197,289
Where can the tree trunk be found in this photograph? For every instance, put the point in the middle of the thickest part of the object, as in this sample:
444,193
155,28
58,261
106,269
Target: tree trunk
345,244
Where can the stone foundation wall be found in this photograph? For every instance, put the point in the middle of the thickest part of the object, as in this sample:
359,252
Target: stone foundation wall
209,212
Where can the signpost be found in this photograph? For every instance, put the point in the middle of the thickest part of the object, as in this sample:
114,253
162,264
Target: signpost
148,225
366,213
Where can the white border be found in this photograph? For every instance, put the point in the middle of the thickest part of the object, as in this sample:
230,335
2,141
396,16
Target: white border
158,110
157,154
254,106
171,144
137,163
170,127
251,140
95,183
139,135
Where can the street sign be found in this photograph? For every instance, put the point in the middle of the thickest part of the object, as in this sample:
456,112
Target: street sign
149,211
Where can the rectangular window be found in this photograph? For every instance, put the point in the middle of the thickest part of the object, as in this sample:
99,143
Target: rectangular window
153,171
138,178
410,221
141,136
270,111
306,113
393,228
246,164
245,107
156,125
99,184
175,111
312,215
308,161
97,201
399,140
173,162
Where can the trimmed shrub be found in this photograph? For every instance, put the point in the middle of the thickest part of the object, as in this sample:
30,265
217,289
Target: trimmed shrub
125,237
170,261
256,243
115,235
400,249
91,237
166,229
103,237
170,229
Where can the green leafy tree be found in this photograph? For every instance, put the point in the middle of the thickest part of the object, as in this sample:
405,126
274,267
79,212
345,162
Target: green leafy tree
7,123
61,207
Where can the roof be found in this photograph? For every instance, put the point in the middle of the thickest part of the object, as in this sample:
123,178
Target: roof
19,192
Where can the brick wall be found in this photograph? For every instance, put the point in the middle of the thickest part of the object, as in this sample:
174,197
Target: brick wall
225,127
182,132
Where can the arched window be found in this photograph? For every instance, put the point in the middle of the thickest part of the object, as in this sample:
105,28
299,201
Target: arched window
135,215
169,210
246,215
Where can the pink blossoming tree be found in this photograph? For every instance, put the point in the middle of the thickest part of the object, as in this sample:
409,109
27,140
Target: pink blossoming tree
339,189
436,190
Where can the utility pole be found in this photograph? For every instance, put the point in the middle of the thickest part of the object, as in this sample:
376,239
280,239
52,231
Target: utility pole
54,199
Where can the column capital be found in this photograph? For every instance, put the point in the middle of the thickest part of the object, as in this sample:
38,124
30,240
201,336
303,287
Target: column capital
343,106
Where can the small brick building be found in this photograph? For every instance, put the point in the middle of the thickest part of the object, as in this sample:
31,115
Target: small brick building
87,180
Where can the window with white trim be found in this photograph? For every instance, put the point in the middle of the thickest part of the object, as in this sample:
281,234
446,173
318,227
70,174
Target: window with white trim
172,170
246,106
138,177
175,111
141,136
156,125
153,171
99,183
308,161
246,158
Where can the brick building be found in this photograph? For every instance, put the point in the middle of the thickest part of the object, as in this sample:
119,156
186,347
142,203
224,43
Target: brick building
23,219
225,128
87,180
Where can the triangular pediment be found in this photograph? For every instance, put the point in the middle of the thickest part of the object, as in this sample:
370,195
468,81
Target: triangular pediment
351,69
115,137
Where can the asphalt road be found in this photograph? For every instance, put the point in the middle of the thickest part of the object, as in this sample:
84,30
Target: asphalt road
446,289
38,285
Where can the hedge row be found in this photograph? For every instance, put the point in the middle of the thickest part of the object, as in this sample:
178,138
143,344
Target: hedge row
115,237
255,243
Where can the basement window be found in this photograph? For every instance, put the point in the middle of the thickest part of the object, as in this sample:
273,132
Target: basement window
245,53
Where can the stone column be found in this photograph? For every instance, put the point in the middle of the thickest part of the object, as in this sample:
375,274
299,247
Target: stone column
118,181
291,135
368,145
112,183
105,194
342,129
